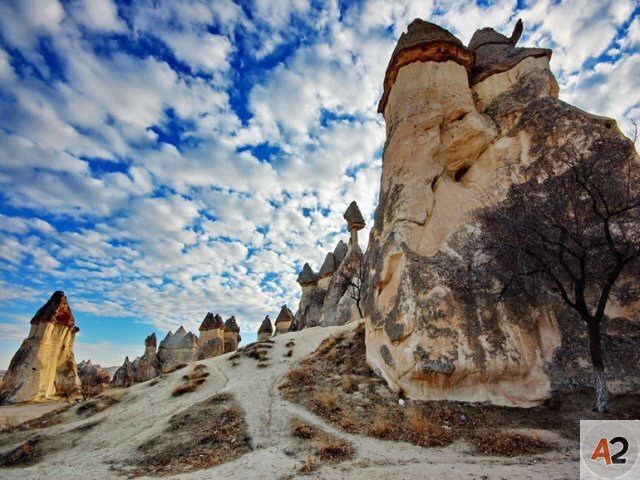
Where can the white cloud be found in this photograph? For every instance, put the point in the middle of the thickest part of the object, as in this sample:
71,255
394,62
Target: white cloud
98,15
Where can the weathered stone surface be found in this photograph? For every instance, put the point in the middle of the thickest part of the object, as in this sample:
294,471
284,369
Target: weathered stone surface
124,376
92,376
328,266
266,329
231,335
176,349
340,252
450,149
44,366
354,217
423,41
284,320
307,277
340,291
211,340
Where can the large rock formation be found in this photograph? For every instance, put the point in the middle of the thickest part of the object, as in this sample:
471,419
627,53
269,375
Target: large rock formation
284,320
463,124
331,296
44,366
177,349
211,340
141,369
266,330
124,376
92,377
231,335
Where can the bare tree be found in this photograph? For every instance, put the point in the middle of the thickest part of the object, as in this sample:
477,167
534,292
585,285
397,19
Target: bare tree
574,235
354,284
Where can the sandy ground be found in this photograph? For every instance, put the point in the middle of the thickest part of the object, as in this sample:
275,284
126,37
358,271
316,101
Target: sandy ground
16,414
144,411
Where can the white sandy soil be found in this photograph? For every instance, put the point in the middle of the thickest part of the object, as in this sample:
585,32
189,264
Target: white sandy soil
144,411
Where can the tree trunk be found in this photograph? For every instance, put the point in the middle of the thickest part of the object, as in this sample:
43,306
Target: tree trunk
595,346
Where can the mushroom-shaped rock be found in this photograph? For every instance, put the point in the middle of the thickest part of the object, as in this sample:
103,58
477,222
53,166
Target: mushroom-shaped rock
340,252
284,320
231,335
44,365
497,53
266,329
328,266
307,277
354,217
150,341
211,322
423,41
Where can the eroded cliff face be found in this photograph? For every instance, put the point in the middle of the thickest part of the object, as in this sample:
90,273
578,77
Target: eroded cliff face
44,366
463,125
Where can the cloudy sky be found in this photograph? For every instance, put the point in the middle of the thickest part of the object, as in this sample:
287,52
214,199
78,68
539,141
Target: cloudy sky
159,160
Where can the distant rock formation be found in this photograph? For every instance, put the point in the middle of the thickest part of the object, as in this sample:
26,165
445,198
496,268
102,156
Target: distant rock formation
44,366
329,297
462,123
231,335
177,349
92,376
284,320
266,330
211,340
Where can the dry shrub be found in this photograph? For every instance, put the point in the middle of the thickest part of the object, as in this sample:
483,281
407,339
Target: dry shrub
300,376
348,385
192,381
309,465
331,449
326,346
326,400
153,383
290,344
177,367
288,354
101,402
301,429
26,454
509,444
381,426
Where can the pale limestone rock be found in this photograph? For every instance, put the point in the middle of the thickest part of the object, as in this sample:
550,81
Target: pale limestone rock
44,366
284,320
428,334
211,340
177,349
231,335
266,330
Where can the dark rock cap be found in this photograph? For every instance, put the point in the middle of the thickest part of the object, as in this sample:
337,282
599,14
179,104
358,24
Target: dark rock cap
423,41
266,326
340,252
231,326
354,217
150,341
307,277
211,322
328,266
495,53
56,310
285,315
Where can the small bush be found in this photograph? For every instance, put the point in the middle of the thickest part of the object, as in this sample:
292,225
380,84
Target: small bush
290,344
177,367
302,429
333,449
509,444
309,465
327,399
192,381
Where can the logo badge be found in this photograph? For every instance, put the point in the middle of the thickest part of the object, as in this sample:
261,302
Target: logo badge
609,449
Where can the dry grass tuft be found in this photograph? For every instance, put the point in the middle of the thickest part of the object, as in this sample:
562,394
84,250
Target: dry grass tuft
101,402
326,399
191,381
309,465
301,429
290,344
509,444
28,453
331,449
177,367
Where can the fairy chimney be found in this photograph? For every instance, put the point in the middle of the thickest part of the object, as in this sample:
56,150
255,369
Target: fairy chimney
355,221
266,330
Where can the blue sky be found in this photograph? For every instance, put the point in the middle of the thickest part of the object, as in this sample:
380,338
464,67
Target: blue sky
159,160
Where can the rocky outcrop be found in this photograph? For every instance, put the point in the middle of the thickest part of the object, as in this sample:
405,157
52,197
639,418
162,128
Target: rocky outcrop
266,330
92,376
124,376
231,335
284,320
463,124
44,366
211,339
331,296
177,349
141,369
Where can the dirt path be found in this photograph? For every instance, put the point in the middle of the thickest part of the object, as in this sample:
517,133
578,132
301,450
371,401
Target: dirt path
143,413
